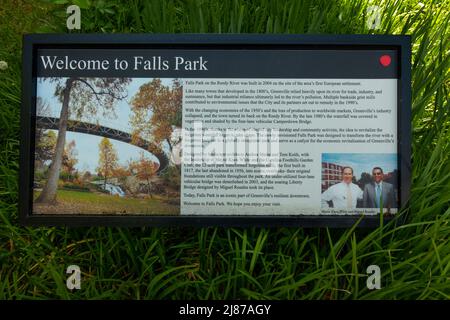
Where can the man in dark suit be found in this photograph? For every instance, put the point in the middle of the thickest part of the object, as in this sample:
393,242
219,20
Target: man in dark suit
379,192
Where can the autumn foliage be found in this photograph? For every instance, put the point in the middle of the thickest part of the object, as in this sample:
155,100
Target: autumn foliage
144,169
157,111
107,162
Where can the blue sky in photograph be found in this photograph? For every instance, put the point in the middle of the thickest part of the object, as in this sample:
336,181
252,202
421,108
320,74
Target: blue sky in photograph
363,162
87,145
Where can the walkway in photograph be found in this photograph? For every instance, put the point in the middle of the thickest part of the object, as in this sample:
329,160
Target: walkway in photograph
98,130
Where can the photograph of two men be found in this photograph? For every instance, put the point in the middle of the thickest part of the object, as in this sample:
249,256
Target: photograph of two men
376,187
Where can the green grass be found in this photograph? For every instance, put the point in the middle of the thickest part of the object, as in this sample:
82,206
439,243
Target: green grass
76,202
255,263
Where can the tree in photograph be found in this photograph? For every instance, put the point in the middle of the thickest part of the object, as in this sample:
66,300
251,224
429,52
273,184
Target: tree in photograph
70,158
121,172
172,178
157,111
144,169
365,179
45,147
79,97
87,176
107,162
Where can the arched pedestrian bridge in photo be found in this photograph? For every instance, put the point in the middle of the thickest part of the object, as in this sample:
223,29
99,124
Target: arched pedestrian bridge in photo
102,131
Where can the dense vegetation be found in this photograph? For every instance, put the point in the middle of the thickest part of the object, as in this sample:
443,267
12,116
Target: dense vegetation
205,263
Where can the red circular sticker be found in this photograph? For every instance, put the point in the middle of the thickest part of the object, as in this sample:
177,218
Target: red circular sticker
385,60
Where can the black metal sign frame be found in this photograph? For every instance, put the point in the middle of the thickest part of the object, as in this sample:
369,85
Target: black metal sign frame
32,43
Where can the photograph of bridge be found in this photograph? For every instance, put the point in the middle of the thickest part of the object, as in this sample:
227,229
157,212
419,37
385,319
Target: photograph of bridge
103,146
